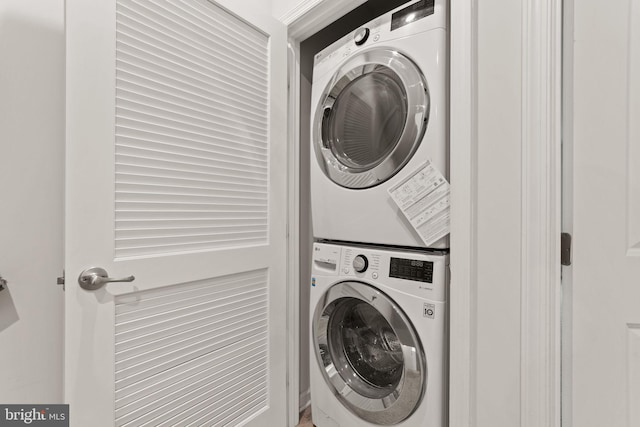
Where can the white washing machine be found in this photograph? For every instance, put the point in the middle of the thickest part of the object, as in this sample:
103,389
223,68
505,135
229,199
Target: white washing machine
378,112
378,337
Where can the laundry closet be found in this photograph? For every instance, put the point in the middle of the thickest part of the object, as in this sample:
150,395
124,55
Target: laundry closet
374,199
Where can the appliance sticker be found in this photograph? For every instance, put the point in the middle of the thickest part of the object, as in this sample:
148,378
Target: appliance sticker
423,198
429,310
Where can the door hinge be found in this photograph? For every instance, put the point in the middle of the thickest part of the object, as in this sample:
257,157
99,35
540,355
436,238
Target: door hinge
565,249
60,280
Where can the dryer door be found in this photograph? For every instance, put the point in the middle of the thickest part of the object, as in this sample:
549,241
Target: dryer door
371,118
369,353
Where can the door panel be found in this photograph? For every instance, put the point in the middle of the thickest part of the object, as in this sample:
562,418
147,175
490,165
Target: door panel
174,118
191,129
188,348
606,265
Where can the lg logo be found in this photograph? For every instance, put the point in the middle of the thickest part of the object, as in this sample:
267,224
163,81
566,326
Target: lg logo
429,311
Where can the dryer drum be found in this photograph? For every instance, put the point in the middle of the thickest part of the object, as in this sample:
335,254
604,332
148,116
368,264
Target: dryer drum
371,118
369,353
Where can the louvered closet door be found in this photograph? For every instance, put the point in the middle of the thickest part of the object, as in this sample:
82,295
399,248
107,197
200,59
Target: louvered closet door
174,167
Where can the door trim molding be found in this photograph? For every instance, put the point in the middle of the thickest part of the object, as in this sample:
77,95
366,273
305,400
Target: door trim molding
541,212
464,225
293,238
299,10
310,16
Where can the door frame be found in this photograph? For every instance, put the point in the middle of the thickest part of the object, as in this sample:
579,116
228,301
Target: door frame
541,291
567,211
541,74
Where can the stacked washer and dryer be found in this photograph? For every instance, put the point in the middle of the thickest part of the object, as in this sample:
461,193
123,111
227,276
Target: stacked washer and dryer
378,300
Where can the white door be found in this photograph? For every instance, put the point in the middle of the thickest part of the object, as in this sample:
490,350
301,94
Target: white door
175,153
605,344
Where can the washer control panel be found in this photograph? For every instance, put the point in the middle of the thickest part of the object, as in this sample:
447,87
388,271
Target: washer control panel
411,269
360,262
420,273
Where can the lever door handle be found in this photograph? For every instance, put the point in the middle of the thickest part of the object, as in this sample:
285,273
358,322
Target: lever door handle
95,277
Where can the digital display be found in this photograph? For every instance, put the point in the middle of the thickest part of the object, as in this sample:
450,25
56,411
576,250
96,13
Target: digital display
411,269
412,13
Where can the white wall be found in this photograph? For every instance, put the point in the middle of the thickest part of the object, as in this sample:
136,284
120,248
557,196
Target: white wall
31,199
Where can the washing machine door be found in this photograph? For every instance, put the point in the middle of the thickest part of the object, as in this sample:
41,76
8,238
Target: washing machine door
369,353
371,118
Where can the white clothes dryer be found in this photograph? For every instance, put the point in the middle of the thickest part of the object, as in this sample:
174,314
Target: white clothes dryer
379,111
378,337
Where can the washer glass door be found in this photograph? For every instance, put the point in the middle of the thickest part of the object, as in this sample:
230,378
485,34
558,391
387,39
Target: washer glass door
371,118
369,353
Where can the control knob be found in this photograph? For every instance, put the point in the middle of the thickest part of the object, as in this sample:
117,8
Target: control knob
360,263
361,35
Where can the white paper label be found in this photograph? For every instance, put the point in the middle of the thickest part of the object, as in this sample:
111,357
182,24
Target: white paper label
423,198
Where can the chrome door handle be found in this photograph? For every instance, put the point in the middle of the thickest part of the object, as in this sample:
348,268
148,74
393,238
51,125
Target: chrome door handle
95,277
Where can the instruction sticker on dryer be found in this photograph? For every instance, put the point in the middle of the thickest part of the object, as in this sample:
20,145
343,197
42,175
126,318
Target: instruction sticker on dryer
423,198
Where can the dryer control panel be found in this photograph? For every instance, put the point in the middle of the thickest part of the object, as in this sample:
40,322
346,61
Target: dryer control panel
405,21
412,13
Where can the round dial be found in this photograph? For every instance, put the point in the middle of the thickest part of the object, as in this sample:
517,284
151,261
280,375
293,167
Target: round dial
361,36
360,263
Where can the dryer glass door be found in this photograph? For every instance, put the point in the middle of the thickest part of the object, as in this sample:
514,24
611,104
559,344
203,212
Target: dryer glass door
367,119
371,118
369,353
